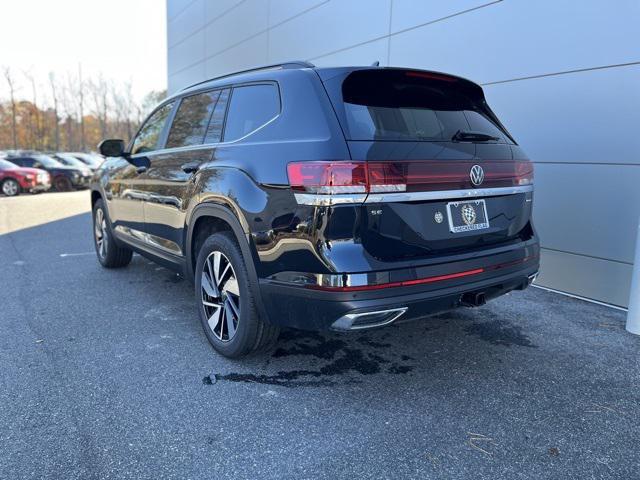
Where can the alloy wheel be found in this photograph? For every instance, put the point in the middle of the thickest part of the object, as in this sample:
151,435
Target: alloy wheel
10,188
62,184
220,296
100,232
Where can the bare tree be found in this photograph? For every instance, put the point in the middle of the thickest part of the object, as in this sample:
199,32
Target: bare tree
68,108
123,108
80,91
35,126
128,104
99,91
69,111
54,96
14,130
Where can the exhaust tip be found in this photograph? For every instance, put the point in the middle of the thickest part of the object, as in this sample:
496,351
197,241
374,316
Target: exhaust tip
363,320
473,299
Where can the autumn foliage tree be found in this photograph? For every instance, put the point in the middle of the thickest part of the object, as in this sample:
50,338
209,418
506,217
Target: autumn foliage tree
67,114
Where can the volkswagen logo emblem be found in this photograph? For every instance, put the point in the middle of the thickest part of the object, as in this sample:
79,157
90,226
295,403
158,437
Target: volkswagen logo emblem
476,175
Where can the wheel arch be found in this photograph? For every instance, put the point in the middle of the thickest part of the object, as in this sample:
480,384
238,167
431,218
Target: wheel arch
10,177
208,218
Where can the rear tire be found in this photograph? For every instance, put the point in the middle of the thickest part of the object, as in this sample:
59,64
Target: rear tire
10,187
62,184
226,304
110,255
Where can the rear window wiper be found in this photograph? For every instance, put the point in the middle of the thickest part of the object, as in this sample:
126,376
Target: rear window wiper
467,136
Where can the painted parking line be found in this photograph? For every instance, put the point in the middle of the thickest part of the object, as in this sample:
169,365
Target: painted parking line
76,254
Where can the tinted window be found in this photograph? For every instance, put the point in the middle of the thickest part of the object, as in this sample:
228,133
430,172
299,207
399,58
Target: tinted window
23,162
214,131
250,108
480,123
404,105
48,161
149,135
191,120
70,161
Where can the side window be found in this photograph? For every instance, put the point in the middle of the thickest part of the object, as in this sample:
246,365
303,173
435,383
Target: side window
191,120
250,108
214,131
149,135
24,162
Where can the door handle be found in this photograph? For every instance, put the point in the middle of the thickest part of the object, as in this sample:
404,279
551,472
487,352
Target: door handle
191,167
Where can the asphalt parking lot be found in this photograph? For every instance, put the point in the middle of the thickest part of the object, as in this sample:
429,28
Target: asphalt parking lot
107,374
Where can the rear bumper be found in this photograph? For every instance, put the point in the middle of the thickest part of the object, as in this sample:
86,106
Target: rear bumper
317,309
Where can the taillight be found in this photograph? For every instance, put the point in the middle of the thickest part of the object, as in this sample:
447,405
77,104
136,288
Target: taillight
333,182
523,173
328,178
387,177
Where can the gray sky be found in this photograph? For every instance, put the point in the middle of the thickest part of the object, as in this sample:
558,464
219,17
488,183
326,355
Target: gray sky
123,39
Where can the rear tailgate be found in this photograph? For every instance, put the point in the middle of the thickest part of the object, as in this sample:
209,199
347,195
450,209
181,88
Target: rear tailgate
428,193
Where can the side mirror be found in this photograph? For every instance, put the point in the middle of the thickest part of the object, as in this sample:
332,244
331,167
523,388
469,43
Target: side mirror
111,147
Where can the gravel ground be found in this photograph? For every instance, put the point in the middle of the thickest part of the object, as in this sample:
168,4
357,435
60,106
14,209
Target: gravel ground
107,374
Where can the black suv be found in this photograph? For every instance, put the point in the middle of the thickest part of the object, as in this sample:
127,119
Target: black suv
321,198
63,177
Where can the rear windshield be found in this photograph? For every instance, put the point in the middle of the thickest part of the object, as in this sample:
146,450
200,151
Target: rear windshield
414,106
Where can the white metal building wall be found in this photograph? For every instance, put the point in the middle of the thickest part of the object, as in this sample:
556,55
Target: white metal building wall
563,75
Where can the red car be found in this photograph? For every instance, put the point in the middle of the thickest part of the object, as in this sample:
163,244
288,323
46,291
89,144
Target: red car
15,179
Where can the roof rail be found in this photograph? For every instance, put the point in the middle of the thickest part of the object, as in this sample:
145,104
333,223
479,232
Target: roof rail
284,65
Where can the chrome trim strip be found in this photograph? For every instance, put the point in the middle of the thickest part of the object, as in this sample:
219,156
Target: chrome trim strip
163,151
151,240
203,146
328,200
380,278
348,198
446,194
211,145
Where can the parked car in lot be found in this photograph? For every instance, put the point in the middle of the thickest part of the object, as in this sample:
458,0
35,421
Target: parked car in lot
71,161
63,177
15,179
322,198
90,160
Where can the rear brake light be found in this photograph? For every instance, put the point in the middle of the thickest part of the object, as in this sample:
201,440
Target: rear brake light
523,174
343,177
432,76
387,177
328,177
